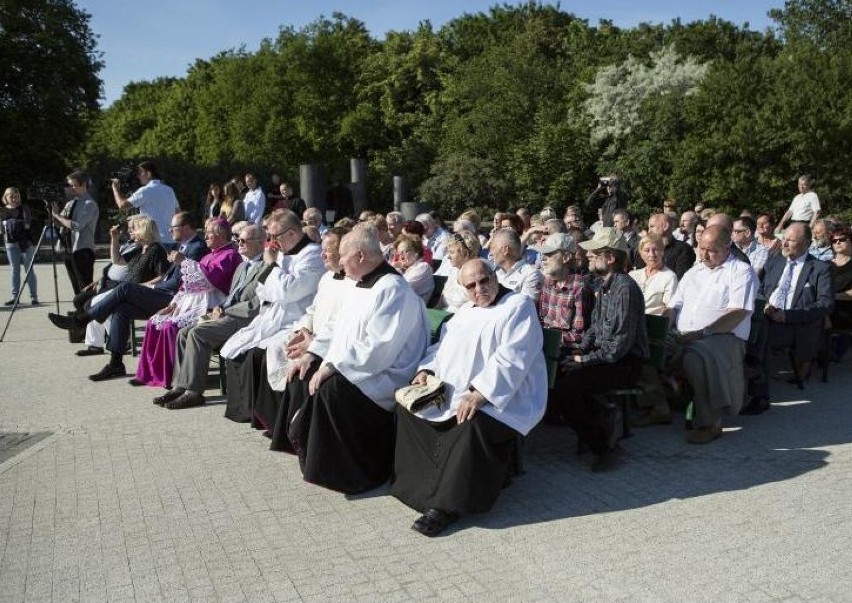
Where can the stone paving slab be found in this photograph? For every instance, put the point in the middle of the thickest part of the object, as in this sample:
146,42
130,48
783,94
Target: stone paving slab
127,501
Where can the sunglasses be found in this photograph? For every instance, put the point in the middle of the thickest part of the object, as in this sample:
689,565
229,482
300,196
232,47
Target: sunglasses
460,239
840,240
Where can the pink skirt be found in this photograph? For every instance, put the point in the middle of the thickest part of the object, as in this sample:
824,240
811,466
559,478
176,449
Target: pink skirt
157,359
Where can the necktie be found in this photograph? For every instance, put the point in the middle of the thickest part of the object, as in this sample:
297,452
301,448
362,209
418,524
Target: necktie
238,288
783,290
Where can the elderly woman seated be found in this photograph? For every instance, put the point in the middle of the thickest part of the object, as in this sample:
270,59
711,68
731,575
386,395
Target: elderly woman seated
658,284
461,247
408,260
204,284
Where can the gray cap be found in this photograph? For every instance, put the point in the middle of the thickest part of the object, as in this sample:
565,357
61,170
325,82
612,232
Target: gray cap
606,238
558,241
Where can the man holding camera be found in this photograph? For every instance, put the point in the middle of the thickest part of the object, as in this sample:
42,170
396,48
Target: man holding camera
153,199
609,188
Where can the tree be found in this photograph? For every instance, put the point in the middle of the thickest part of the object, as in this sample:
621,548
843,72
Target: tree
49,87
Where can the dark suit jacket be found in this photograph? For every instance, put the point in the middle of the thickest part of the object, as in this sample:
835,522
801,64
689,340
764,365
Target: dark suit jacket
813,297
195,249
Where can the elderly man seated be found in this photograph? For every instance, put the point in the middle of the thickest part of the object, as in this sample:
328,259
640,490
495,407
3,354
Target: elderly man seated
342,426
513,271
453,460
799,290
713,306
610,354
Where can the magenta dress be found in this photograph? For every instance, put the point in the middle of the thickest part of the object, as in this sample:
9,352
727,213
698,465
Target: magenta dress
204,285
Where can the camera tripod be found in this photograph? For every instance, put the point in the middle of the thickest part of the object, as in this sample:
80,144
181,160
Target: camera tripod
49,225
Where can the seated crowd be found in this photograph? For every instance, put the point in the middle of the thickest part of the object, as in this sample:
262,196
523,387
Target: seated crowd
319,328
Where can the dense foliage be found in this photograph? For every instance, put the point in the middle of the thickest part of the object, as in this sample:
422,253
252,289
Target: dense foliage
49,87
524,105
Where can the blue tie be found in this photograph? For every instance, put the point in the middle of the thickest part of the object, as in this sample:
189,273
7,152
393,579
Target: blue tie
784,286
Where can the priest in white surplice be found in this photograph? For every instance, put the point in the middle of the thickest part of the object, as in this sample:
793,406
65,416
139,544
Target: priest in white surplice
453,460
285,293
342,427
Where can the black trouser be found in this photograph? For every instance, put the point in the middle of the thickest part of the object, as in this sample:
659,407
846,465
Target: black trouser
81,268
576,395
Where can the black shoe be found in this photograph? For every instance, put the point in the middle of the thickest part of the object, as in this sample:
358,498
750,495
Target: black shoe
169,396
607,460
187,399
34,301
11,302
433,522
90,351
68,322
109,372
758,405
135,382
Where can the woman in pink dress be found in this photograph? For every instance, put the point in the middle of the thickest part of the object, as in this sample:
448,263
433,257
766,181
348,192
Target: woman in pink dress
204,285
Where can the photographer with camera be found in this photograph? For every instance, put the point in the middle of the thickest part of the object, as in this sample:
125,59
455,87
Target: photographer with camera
153,199
609,190
77,222
16,219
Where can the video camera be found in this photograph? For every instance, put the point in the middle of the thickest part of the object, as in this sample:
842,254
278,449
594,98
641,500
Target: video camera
128,180
50,193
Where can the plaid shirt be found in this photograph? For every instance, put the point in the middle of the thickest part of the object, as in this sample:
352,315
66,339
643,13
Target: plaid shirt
567,306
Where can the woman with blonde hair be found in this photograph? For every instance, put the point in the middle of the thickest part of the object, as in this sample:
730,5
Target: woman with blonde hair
461,247
657,282
231,209
17,219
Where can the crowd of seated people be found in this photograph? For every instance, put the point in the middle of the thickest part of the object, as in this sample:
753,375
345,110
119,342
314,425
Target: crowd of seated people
321,327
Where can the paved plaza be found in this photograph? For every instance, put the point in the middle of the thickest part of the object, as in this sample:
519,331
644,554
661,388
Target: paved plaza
106,497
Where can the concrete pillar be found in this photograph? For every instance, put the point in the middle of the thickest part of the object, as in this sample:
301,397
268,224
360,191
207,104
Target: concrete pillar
312,185
358,186
400,192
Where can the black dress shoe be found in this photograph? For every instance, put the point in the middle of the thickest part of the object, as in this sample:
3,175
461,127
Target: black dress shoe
169,396
90,351
135,382
68,322
109,372
607,460
758,405
433,522
187,399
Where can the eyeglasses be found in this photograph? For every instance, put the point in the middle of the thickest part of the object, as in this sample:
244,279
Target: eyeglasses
481,282
840,240
272,237
241,241
740,230
173,226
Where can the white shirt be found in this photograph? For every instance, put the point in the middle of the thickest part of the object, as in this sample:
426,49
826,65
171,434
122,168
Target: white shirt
437,243
381,335
285,296
705,294
157,201
453,295
657,289
798,264
521,278
804,206
419,276
254,204
498,351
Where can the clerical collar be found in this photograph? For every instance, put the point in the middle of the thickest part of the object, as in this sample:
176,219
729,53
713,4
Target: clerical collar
304,242
501,293
339,275
371,278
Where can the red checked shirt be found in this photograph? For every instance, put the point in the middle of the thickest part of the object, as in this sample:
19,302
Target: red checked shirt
567,306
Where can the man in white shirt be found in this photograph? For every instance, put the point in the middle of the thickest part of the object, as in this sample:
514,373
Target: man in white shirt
343,427
805,206
454,459
153,199
435,237
712,308
513,272
254,201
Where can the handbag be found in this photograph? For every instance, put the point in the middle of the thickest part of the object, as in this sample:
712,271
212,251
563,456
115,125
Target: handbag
415,398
